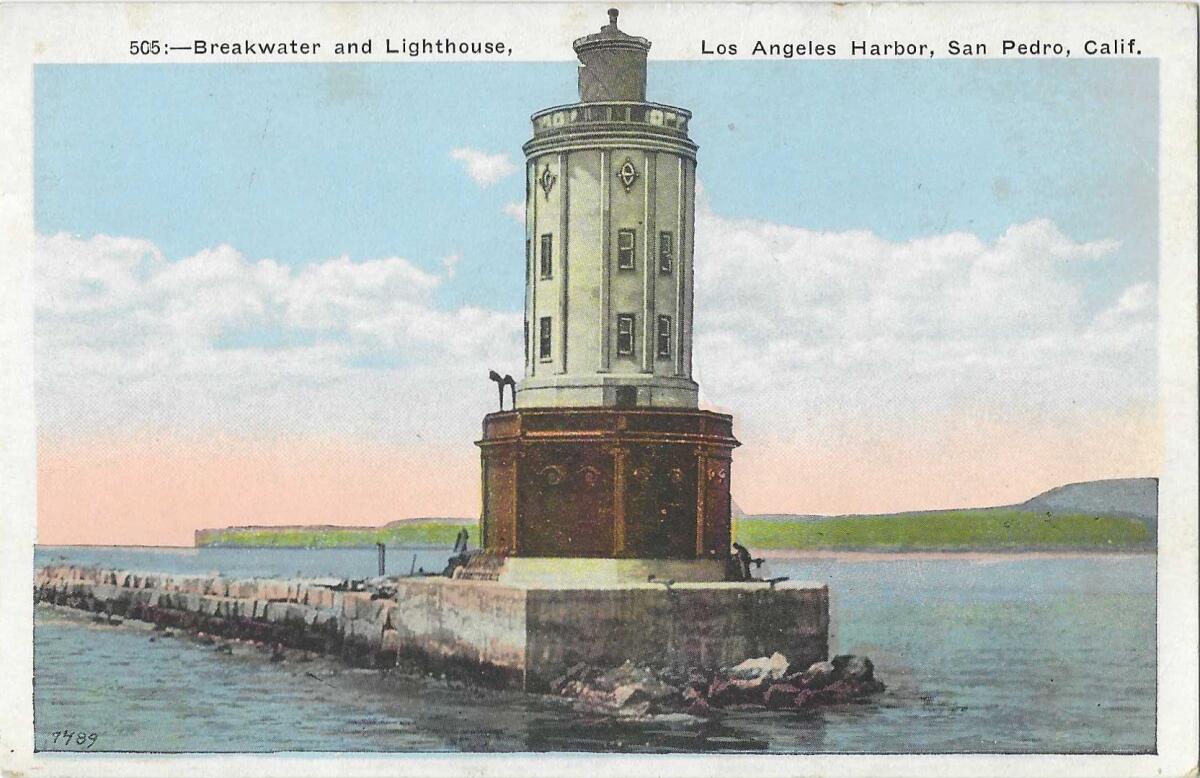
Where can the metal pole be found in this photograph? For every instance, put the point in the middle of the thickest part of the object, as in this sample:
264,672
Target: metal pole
382,555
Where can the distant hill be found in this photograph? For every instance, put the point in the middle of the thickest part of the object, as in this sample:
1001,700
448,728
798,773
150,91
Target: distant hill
785,517
419,532
1135,498
433,520
1113,513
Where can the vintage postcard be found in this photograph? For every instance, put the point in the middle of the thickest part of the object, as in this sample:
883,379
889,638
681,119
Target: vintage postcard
561,388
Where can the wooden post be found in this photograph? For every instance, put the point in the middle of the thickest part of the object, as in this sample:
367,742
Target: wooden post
382,556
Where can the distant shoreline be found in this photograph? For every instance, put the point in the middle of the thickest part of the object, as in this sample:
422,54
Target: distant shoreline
968,554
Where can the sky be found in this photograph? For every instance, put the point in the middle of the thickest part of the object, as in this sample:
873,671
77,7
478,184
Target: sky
271,293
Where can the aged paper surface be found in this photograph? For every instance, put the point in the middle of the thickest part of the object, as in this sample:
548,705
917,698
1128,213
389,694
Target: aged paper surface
852,332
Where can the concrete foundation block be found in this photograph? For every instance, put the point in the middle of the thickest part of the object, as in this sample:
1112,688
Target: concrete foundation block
536,633
276,612
271,589
325,596
104,591
356,605
384,614
324,617
365,631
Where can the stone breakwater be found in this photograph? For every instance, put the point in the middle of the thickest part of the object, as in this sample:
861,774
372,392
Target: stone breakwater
319,615
510,635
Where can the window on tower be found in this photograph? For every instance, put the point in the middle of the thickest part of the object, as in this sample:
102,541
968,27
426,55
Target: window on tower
664,336
544,338
626,239
528,256
546,259
666,253
625,333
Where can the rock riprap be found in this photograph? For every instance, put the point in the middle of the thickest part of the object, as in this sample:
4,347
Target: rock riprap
762,682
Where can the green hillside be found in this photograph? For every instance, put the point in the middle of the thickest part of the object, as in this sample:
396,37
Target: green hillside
409,533
1012,527
994,528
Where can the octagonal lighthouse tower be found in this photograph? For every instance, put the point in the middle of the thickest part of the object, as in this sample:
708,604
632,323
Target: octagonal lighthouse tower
608,245
606,456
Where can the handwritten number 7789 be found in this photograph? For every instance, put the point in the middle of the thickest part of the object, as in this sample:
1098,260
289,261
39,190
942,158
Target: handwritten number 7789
69,737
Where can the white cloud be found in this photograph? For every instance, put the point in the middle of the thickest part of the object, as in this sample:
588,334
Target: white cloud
797,328
215,341
450,263
483,168
515,210
1136,298
797,331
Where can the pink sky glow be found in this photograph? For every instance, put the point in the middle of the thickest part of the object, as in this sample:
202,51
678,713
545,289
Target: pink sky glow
156,490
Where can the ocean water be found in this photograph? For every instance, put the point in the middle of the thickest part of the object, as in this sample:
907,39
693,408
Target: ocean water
1016,654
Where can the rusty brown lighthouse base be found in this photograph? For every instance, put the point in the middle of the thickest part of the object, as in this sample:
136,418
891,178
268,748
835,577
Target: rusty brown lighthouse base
606,538
634,492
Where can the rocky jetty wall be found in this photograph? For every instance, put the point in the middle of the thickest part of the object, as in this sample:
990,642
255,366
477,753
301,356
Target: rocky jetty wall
522,636
364,627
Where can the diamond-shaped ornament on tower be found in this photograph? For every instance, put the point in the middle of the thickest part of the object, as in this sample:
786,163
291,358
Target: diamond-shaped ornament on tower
547,181
627,174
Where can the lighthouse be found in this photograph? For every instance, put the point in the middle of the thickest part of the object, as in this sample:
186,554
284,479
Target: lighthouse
605,523
606,469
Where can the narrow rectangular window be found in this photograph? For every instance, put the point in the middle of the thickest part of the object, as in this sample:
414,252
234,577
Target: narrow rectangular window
625,333
528,256
547,257
626,240
666,253
544,338
526,333
664,336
